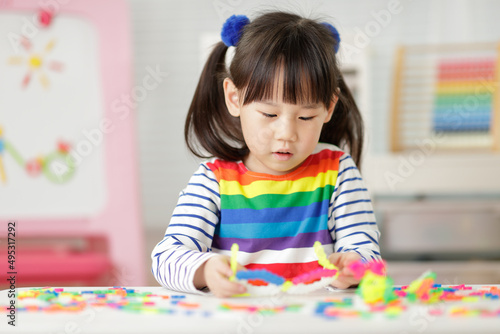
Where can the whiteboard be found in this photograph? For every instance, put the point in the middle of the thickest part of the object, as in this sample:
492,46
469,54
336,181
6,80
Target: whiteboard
62,102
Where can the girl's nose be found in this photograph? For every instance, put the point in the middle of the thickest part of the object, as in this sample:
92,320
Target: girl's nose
285,130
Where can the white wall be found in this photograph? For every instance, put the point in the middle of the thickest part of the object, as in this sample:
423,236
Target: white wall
167,34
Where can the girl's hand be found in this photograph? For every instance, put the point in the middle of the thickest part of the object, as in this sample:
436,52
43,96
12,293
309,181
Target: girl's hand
215,274
345,279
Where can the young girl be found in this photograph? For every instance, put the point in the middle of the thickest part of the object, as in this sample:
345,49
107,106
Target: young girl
273,122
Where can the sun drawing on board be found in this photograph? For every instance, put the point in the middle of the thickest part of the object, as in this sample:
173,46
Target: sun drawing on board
36,63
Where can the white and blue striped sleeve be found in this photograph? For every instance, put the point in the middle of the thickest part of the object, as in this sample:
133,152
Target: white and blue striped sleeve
352,221
188,239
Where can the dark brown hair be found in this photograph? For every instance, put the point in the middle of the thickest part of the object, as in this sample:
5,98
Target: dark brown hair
305,51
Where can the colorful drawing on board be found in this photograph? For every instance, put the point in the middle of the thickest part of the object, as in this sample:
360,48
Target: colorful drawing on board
463,99
57,166
36,63
45,17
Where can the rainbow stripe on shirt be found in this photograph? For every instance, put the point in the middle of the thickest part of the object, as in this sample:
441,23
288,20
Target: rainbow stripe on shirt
276,217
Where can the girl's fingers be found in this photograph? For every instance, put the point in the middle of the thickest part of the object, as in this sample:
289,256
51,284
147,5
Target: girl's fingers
347,272
340,285
222,267
229,288
335,259
220,285
342,260
223,287
344,281
346,276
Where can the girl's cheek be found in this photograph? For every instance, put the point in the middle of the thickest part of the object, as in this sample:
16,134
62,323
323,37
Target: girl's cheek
262,138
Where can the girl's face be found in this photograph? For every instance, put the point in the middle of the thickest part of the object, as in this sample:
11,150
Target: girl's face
280,136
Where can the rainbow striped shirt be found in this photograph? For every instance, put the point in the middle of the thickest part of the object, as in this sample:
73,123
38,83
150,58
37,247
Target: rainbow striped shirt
275,219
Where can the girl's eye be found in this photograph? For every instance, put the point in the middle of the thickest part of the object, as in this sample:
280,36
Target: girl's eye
306,118
269,115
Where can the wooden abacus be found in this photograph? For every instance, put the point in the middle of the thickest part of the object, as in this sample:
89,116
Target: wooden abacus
446,95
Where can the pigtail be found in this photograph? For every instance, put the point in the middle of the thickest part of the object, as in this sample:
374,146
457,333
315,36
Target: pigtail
210,130
345,129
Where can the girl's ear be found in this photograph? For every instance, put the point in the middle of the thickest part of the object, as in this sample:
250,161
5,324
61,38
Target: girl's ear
231,97
331,107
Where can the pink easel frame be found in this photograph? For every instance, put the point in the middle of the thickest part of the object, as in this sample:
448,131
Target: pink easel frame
119,221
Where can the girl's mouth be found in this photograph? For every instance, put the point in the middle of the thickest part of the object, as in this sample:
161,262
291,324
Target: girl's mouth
282,156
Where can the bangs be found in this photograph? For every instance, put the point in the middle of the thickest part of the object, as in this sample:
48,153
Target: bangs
293,61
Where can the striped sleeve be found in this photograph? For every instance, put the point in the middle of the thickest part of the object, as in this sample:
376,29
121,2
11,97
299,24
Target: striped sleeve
351,221
188,239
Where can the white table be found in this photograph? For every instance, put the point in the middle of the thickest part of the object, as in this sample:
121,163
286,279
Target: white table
204,314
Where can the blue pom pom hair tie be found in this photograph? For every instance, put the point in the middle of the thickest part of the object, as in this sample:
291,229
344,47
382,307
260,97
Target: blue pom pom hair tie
334,33
233,28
